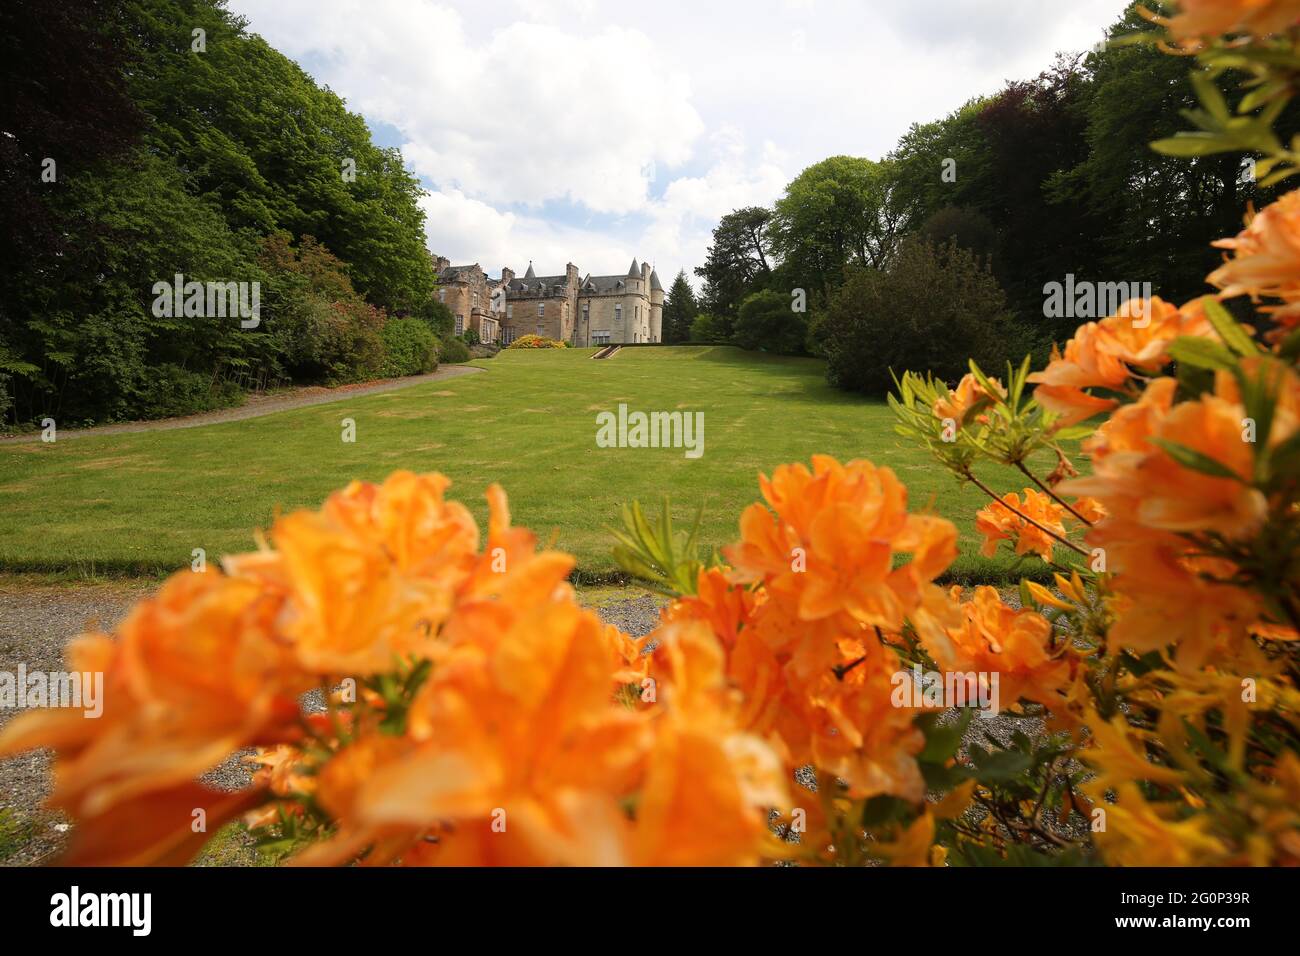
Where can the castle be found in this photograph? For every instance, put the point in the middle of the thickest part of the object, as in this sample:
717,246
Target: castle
596,310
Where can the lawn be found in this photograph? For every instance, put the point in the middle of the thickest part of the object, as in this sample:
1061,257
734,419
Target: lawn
139,503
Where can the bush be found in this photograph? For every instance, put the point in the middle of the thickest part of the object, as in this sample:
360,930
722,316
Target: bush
536,342
453,351
170,390
766,321
438,317
708,327
931,310
410,348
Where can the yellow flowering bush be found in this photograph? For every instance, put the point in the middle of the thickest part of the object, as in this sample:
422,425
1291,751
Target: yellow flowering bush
810,694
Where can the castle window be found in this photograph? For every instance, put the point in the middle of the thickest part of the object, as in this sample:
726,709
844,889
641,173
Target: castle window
510,311
475,300
460,324
541,310
442,295
541,329
618,313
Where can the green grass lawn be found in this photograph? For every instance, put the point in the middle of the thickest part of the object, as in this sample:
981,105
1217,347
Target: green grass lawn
139,503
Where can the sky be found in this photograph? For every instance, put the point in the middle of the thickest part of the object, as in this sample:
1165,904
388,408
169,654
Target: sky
596,131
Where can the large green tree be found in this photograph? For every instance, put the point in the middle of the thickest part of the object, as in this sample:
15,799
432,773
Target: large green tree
680,310
840,212
739,260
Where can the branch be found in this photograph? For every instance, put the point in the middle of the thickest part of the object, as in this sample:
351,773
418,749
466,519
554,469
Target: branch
1048,531
1052,494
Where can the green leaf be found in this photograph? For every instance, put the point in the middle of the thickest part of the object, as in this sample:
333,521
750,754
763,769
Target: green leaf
1201,353
1192,145
942,742
1234,335
1196,461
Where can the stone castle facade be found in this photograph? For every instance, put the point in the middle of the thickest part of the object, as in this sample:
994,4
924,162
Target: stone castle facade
582,312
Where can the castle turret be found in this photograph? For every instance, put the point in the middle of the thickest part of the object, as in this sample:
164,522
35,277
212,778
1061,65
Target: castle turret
656,308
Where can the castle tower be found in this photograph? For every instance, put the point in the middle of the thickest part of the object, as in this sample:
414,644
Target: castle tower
656,308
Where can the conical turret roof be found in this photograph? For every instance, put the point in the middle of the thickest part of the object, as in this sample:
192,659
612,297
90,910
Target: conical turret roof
635,271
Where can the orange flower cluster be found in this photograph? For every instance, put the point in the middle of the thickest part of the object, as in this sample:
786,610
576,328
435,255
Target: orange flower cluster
513,750
1104,355
1030,522
1164,589
969,398
1266,260
1015,644
1201,19
812,588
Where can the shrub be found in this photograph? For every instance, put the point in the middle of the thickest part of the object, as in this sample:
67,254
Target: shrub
536,342
410,348
453,351
169,390
438,317
708,327
766,321
932,309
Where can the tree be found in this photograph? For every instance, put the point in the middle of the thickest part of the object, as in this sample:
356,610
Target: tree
177,160
711,328
738,261
766,321
839,212
930,309
680,310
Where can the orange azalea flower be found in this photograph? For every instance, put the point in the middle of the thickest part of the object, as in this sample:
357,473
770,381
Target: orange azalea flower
1204,19
1014,644
1139,833
1266,259
1104,354
517,754
1083,365
968,398
828,546
370,577
1134,477
1090,509
1164,592
998,522
195,673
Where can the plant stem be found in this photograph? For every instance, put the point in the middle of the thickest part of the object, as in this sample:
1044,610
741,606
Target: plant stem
1048,531
1052,494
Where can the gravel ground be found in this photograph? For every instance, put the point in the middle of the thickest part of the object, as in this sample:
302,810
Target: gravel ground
37,620
258,405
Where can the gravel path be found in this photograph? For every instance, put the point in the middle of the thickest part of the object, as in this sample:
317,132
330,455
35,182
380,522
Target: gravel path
258,405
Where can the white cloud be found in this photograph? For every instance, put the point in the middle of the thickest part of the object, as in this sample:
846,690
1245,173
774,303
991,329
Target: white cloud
531,114
595,130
